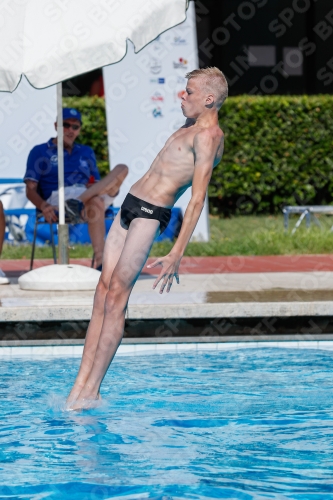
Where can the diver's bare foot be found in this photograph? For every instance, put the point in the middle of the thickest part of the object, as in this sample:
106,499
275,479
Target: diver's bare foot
74,394
85,403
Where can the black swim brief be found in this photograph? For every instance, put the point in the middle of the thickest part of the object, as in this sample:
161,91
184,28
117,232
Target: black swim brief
133,207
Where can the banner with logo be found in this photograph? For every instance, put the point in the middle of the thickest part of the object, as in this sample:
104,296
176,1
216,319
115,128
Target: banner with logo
143,96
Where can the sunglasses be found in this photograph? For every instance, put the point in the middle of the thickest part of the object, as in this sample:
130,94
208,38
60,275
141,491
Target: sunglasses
69,125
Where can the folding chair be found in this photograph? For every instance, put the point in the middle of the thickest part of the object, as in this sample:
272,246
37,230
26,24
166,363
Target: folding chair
109,215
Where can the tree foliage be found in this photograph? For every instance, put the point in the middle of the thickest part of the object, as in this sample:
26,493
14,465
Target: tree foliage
278,151
94,131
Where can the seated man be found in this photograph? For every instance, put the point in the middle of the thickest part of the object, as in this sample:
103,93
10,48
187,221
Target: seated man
80,175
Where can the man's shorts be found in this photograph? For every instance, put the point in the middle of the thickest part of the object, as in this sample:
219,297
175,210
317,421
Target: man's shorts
73,192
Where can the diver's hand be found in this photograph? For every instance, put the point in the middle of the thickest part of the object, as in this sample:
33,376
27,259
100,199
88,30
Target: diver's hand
170,265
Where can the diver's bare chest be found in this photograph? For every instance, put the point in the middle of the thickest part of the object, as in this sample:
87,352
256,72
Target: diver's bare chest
180,145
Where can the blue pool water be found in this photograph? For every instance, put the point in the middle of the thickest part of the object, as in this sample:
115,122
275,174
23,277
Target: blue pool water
245,424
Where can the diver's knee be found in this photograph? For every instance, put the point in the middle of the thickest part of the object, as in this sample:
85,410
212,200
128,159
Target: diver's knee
102,287
116,296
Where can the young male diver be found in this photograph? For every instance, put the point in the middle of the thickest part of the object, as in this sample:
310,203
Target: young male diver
186,160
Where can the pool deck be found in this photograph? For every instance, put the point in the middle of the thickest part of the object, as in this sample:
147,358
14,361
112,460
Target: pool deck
210,287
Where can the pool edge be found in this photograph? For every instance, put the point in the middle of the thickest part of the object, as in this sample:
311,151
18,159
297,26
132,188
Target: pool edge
133,349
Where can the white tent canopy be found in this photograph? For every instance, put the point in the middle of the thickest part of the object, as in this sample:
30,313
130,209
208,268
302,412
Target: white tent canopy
51,42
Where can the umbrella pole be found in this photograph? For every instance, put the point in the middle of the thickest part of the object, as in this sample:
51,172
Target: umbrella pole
62,227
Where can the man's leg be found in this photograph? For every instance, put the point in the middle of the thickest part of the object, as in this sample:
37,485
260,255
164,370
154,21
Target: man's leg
139,240
110,184
95,216
95,209
113,247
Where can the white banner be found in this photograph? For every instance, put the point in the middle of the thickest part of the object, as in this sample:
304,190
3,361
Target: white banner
143,96
27,118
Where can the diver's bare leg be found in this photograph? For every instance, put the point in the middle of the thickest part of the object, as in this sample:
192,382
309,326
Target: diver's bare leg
138,243
113,247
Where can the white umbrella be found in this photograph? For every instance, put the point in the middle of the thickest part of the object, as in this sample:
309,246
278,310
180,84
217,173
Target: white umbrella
51,42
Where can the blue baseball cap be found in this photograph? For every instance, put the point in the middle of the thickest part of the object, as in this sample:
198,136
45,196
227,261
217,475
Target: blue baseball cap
71,113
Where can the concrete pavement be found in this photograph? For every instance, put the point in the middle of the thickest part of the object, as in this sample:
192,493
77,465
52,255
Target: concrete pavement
279,286
210,265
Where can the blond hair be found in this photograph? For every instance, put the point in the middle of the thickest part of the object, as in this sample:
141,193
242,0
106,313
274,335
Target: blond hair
215,82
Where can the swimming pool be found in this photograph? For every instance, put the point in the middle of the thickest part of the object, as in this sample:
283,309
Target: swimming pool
245,424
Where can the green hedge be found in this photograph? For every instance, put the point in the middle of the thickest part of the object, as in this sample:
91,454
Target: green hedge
94,132
278,151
